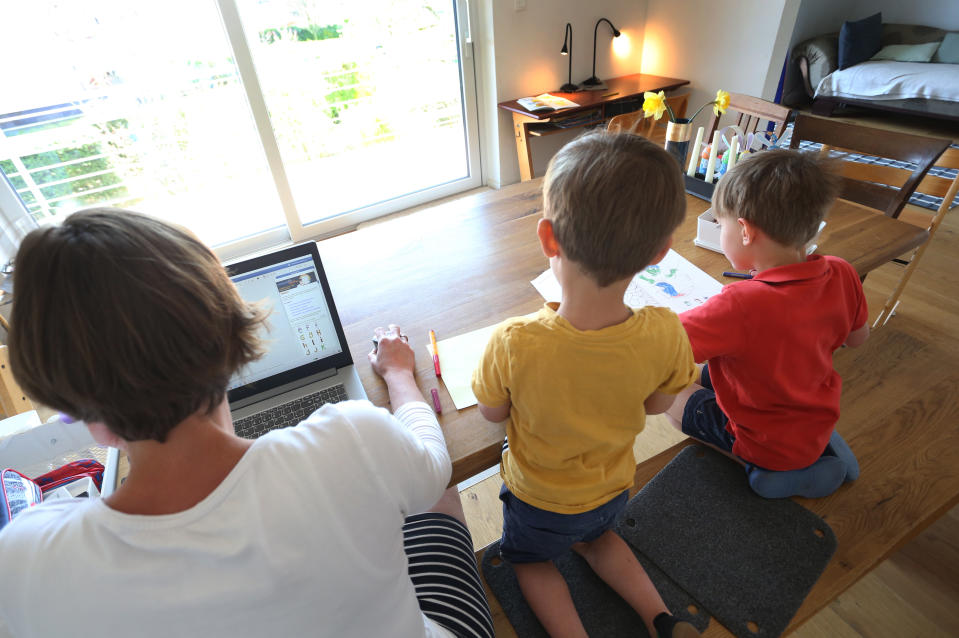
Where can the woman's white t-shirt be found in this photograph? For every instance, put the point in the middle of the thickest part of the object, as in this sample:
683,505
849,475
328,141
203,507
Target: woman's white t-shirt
302,538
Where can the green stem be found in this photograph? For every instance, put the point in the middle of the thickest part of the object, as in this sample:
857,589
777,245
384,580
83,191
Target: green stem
700,109
672,116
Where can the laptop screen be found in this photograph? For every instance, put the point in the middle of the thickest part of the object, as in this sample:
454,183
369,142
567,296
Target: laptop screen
303,335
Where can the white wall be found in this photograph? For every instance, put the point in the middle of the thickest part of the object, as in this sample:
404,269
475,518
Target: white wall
736,45
520,53
823,16
943,14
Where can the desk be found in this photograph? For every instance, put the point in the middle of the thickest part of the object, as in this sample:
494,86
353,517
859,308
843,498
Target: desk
468,263
620,96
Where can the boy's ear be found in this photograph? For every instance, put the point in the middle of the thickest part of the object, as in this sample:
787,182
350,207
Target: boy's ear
102,435
547,241
750,232
662,253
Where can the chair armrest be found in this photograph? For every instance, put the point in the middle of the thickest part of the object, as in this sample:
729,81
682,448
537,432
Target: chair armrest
817,57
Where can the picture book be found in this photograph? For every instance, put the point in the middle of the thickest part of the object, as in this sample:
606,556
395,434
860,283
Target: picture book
545,102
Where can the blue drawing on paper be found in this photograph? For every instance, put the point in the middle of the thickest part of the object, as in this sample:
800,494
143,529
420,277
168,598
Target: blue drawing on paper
668,288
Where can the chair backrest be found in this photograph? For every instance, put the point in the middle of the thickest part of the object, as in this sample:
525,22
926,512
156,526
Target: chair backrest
884,188
936,186
637,124
750,111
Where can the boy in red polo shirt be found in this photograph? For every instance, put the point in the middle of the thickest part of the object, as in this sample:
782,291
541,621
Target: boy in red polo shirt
769,394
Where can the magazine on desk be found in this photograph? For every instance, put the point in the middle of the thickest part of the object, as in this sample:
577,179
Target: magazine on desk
545,102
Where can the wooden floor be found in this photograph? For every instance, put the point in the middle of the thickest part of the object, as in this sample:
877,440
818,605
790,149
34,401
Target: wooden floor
915,592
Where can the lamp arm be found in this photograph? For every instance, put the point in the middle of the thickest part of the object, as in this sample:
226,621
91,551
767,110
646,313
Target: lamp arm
569,32
615,30
594,46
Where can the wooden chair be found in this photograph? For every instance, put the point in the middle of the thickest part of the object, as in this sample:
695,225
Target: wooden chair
884,188
751,111
931,185
12,399
637,124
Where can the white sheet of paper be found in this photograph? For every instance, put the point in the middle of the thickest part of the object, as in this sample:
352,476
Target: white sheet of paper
674,283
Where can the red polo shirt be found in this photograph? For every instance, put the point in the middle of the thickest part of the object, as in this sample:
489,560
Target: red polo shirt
769,342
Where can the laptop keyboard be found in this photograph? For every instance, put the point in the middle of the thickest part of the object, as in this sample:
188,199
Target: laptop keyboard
291,413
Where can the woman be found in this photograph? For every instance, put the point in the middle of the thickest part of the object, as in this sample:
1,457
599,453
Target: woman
338,526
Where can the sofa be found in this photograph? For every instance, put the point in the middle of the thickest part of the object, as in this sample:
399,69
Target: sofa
923,88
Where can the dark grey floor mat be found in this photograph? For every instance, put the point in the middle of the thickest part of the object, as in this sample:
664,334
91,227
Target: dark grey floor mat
750,561
601,609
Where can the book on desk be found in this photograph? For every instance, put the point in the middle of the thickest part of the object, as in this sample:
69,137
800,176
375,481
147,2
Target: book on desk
545,103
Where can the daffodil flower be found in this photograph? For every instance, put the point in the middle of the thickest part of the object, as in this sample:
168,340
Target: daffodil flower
654,104
721,103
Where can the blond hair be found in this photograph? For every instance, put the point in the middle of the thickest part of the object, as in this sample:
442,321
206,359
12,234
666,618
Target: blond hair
785,193
614,199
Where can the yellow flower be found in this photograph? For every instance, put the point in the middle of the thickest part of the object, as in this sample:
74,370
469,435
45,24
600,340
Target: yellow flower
721,103
654,104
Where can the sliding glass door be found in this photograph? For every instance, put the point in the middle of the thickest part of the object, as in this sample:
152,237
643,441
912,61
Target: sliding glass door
249,121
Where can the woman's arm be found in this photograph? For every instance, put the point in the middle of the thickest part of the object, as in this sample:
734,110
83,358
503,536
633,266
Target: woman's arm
426,464
393,359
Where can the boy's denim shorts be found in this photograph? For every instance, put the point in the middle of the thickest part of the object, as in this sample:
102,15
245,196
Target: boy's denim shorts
533,535
702,418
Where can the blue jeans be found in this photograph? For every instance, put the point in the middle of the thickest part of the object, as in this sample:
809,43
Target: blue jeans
704,420
534,535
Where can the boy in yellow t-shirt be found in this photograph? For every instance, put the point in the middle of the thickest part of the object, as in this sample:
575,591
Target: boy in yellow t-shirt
577,381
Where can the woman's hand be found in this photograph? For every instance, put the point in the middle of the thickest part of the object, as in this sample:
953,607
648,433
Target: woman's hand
391,352
392,358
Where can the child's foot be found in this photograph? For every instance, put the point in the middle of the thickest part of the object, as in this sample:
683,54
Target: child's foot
822,478
668,627
840,449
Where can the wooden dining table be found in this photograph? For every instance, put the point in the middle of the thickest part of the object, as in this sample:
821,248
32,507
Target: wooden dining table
468,263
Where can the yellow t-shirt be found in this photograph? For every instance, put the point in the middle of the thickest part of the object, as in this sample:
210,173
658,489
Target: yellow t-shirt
577,400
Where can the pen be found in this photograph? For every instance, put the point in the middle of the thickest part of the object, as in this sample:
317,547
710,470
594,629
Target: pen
611,94
737,275
436,354
436,401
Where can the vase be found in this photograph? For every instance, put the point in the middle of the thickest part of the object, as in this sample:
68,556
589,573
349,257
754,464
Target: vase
677,140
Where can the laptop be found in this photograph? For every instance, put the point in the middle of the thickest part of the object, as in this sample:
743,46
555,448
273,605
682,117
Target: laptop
307,362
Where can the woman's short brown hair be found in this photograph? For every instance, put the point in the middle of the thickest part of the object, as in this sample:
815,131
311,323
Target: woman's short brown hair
124,319
614,200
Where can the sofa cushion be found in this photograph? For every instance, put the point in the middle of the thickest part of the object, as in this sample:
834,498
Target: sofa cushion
949,50
907,52
859,40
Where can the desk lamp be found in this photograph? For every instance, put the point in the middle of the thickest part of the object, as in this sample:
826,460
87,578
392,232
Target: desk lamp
569,87
595,81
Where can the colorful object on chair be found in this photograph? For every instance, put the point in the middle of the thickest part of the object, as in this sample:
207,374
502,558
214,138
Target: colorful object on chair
84,468
17,494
